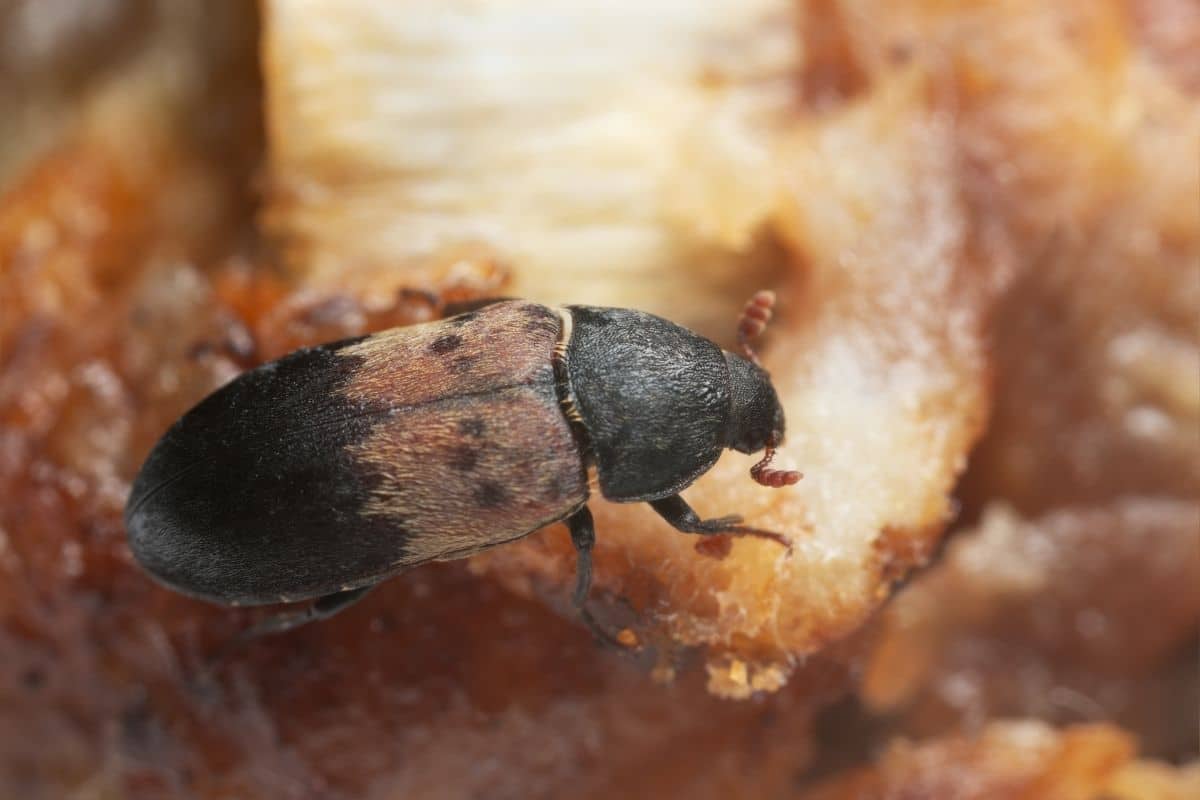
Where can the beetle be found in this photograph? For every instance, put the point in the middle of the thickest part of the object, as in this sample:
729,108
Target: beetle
321,474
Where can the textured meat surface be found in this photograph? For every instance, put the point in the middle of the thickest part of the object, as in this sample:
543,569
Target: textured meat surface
1011,760
1081,614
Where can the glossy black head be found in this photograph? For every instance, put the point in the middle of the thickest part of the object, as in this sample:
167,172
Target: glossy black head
755,416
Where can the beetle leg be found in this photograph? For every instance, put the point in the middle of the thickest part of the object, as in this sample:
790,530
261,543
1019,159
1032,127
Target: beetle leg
675,510
324,608
583,536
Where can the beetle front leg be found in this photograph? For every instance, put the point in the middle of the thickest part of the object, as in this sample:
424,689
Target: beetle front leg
583,537
683,518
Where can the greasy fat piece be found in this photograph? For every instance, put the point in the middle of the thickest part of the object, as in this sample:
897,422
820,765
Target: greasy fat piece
336,467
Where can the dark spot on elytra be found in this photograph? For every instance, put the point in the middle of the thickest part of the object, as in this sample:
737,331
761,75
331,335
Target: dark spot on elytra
463,319
445,344
559,484
472,426
464,363
540,319
490,494
463,458
544,326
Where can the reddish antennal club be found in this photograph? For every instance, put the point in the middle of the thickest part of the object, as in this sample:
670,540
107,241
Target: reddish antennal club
774,478
753,321
755,316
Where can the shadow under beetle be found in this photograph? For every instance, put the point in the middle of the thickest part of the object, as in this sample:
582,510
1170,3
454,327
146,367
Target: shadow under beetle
326,472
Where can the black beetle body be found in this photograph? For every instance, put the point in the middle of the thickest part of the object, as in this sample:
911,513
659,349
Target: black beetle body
325,472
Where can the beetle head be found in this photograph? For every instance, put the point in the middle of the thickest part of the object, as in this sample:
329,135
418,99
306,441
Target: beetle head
756,419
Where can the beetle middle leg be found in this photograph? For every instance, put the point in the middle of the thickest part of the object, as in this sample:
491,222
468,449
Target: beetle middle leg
323,608
675,510
583,536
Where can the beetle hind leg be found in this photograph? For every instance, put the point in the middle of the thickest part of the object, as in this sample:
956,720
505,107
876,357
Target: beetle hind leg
675,510
583,537
323,608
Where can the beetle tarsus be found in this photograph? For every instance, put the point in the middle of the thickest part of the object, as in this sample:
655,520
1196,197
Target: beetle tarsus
675,510
602,635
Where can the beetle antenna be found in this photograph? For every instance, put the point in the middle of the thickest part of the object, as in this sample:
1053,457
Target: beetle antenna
755,316
774,478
